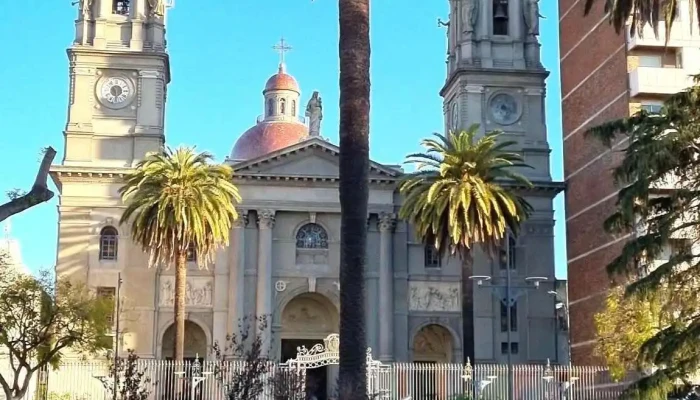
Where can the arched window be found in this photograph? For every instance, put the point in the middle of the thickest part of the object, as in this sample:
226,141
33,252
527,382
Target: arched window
500,17
312,236
294,107
283,105
191,253
109,243
270,107
432,257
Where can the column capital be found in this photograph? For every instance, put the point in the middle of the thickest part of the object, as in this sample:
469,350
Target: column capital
266,219
242,220
386,222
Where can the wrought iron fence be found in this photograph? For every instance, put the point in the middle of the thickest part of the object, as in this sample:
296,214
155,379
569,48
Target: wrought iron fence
89,380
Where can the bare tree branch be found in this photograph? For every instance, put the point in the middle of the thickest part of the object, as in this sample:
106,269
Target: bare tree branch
40,192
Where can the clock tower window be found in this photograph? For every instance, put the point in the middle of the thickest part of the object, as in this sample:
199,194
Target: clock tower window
283,106
120,7
500,17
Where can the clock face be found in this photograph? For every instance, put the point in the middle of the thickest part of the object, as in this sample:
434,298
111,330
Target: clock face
115,91
504,109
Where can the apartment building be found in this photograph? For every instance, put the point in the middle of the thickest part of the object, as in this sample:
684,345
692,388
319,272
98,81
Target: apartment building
606,76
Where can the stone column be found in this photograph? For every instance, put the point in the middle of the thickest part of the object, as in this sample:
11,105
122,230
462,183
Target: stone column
236,277
386,224
263,301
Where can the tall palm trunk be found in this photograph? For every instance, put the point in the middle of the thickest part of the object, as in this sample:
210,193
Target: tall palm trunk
467,310
354,52
180,288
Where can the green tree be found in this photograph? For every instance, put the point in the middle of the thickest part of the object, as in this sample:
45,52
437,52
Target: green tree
177,200
354,52
43,317
642,13
658,205
461,195
623,326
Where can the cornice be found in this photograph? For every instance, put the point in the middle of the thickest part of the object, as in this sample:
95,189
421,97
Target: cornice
470,70
258,177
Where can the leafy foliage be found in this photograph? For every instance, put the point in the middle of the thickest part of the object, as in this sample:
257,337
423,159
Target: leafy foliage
178,199
623,327
658,205
132,382
644,12
459,195
247,346
41,318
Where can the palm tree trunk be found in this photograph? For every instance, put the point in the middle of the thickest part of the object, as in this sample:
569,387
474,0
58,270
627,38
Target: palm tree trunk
180,288
354,52
467,310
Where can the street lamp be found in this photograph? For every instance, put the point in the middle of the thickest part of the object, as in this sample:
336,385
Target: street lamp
508,298
564,386
116,336
478,387
197,376
562,303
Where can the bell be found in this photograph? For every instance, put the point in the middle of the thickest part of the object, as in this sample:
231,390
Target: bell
500,12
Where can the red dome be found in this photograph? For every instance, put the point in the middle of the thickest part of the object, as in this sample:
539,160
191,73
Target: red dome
266,137
282,81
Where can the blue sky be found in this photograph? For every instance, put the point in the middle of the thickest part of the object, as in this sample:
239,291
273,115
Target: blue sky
221,56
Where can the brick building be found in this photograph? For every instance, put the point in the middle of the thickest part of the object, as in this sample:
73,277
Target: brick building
605,76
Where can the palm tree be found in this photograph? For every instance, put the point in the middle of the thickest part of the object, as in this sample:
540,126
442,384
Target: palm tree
643,12
459,197
178,200
354,49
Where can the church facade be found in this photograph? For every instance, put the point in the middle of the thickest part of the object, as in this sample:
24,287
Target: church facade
283,256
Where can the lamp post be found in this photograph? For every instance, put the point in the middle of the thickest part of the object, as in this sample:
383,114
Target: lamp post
477,388
507,297
197,376
564,386
563,304
116,335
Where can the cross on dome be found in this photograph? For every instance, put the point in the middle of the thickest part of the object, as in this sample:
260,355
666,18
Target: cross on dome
282,47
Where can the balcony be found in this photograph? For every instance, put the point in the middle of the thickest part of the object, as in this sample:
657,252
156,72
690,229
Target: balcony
681,36
650,80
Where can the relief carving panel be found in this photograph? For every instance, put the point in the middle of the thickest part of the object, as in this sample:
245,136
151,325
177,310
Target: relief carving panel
198,292
434,296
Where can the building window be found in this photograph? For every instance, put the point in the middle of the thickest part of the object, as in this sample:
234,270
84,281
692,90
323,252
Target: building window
312,236
680,246
500,17
652,108
514,348
109,243
120,7
270,107
107,293
432,257
294,107
191,253
513,317
651,61
283,106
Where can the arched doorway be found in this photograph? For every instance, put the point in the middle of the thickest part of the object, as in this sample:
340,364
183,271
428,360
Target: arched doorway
431,345
306,320
195,342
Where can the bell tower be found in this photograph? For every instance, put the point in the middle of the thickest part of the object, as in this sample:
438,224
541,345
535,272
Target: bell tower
494,74
119,71
495,79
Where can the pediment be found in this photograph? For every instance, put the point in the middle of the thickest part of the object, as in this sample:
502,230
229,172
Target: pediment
311,158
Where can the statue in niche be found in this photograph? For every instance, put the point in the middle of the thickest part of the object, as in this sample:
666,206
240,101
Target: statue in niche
532,17
85,7
314,111
157,7
470,13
